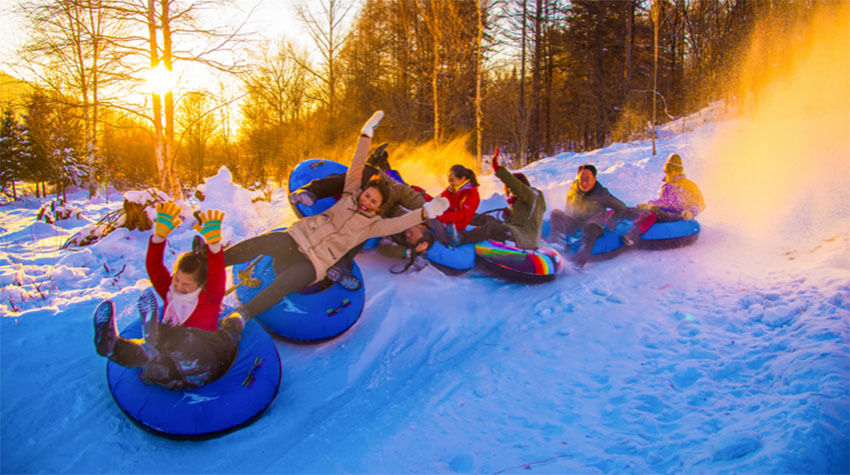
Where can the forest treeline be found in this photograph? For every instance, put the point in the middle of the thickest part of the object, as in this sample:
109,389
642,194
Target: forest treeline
533,77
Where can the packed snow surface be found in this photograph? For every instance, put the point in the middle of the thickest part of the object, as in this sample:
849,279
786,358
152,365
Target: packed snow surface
729,355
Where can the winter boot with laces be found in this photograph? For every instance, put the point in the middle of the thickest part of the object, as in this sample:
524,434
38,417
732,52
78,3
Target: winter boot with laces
105,333
342,275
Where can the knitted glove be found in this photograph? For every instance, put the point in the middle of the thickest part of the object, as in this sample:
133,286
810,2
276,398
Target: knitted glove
167,218
369,126
495,160
436,207
210,226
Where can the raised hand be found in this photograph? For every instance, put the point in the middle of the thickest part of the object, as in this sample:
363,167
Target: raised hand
210,226
495,160
167,218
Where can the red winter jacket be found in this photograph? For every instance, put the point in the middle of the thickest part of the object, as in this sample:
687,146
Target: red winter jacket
463,204
206,312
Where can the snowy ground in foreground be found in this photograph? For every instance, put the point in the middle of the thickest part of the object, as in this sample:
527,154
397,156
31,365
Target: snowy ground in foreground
730,355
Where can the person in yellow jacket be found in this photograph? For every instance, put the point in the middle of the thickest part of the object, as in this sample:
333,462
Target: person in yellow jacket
303,253
678,198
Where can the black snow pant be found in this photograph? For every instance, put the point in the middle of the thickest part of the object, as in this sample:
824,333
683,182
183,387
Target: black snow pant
568,226
179,357
293,271
486,227
333,184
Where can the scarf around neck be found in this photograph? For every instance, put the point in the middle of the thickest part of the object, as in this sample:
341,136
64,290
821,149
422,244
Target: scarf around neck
180,306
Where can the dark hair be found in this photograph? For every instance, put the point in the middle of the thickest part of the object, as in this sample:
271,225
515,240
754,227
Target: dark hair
461,171
382,187
521,177
427,236
588,166
194,264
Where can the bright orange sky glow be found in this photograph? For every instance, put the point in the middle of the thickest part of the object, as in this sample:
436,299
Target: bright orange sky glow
788,168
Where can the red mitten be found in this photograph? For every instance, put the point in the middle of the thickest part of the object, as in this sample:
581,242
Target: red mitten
495,160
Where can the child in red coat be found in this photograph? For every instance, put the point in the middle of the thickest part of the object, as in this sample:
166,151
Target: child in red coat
463,197
185,348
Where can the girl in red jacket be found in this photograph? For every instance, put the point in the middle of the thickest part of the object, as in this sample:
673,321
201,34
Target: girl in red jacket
463,197
185,348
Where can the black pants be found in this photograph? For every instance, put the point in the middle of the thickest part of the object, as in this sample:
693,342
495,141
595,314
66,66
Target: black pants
333,184
179,357
486,227
567,225
293,271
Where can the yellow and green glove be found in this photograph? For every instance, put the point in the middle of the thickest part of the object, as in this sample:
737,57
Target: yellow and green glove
210,226
167,218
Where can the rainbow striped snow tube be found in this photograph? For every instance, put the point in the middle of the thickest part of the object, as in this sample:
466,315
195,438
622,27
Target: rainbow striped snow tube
525,265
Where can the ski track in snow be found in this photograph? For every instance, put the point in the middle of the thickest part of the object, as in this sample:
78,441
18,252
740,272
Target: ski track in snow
720,357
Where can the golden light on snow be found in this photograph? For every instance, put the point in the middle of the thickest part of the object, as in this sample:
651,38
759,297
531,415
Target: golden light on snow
788,166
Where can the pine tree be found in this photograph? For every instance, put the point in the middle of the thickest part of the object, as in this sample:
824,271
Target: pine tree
14,153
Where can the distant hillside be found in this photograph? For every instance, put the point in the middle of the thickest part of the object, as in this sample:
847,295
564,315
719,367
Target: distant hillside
13,91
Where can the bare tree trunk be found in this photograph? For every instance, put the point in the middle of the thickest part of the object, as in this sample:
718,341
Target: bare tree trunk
534,126
173,183
478,60
655,16
158,138
523,115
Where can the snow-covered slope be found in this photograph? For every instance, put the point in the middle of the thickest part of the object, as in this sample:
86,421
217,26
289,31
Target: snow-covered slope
730,355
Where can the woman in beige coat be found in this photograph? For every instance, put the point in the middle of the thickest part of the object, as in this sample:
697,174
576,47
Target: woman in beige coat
303,253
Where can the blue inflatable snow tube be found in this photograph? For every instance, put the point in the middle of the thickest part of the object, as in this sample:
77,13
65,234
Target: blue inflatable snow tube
460,258
669,235
319,312
307,171
228,403
607,245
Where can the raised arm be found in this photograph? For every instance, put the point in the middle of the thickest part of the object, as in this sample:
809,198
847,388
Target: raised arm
387,226
354,175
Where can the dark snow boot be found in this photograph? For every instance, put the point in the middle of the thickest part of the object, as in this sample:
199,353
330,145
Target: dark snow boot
579,259
148,313
304,197
379,158
342,275
105,333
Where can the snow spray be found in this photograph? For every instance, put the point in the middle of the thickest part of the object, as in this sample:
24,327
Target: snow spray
784,176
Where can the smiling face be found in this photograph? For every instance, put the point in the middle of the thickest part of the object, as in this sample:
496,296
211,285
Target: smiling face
370,200
184,283
454,181
586,180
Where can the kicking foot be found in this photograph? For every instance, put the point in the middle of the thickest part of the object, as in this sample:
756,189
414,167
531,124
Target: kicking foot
233,324
579,259
304,197
147,313
105,333
339,273
379,158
